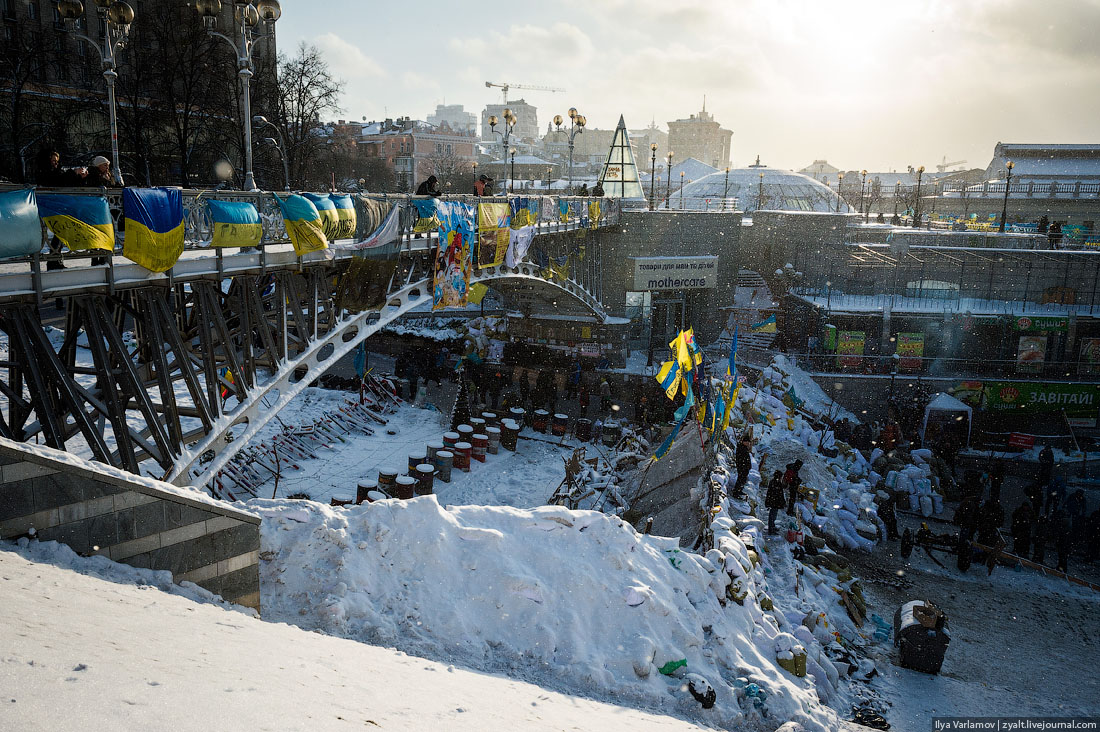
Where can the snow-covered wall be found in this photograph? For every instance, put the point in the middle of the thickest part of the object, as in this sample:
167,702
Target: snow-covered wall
96,509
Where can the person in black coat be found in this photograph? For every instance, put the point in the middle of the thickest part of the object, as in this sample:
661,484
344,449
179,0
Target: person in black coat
1046,465
743,462
774,499
430,187
991,516
1059,529
791,481
1022,519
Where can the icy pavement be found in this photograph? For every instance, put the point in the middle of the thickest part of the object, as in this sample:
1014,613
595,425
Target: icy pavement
108,652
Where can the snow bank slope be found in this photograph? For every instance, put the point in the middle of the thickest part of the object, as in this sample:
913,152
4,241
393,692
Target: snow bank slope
575,598
81,653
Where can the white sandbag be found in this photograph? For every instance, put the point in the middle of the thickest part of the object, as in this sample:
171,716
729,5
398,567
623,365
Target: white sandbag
937,503
892,479
914,502
926,505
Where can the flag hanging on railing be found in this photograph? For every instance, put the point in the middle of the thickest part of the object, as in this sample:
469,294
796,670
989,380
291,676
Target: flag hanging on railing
519,241
80,222
234,224
326,209
154,227
451,277
563,211
594,215
493,233
345,214
427,210
383,241
303,224
768,325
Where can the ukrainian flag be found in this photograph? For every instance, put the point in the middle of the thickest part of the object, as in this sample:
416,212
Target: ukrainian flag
80,222
234,224
20,229
683,352
594,215
330,220
345,213
303,224
765,326
154,227
669,378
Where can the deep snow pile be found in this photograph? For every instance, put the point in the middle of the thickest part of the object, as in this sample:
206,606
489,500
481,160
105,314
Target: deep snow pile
578,599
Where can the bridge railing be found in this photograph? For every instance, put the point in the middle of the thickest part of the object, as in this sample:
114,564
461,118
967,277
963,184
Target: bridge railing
198,226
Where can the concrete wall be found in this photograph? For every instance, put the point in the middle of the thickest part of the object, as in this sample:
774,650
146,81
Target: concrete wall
129,520
778,237
674,234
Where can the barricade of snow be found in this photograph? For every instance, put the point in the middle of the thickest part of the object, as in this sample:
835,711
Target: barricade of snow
578,599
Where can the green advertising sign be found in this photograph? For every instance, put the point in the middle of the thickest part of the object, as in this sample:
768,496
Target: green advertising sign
1078,400
1030,323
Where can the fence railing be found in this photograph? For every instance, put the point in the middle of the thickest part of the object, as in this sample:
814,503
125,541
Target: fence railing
198,226
986,189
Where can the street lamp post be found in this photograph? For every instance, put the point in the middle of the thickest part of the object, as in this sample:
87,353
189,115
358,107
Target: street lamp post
512,175
116,18
247,14
577,122
652,175
759,190
862,188
897,194
1004,207
916,205
668,182
726,190
260,121
681,190
549,170
839,180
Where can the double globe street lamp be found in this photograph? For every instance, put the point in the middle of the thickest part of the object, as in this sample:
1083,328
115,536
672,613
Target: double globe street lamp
576,127
247,14
116,17
652,174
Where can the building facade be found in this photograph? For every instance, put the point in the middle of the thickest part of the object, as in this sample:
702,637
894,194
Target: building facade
455,117
414,149
527,121
700,136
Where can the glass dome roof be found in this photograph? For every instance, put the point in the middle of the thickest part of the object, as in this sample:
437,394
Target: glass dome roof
778,190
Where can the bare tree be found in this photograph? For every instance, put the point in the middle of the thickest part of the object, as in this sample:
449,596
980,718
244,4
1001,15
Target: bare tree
454,172
24,64
307,93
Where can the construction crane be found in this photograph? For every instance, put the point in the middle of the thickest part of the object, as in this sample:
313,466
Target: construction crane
944,165
506,86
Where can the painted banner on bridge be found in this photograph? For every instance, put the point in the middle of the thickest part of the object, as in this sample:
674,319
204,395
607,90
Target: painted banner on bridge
80,222
451,274
493,233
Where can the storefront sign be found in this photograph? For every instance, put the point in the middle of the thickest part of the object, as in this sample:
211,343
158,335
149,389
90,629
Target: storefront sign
1079,401
675,273
1031,354
910,348
850,347
1033,324
1090,356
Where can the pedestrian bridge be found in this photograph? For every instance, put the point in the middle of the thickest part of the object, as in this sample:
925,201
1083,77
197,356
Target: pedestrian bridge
170,373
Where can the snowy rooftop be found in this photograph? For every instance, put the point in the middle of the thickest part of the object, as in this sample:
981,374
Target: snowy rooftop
782,190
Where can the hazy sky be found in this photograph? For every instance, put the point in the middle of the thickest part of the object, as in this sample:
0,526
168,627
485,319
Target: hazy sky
875,84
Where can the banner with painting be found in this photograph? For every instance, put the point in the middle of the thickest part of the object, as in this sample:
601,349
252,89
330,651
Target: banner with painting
451,274
494,233
849,348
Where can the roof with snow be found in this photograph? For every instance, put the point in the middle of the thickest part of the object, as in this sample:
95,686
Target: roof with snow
1040,163
692,169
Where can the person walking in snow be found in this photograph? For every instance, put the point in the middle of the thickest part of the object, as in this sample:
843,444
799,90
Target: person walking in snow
791,482
774,499
605,395
1046,465
1022,519
743,462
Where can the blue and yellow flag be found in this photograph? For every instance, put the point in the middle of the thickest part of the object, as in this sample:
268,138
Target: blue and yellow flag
20,230
154,227
563,210
664,448
428,211
326,209
345,213
80,222
669,378
731,368
768,325
594,215
303,224
683,348
234,224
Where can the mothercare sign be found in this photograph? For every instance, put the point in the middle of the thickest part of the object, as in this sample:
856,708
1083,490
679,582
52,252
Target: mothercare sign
675,273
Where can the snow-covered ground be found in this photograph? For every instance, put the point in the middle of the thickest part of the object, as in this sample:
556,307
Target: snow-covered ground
112,650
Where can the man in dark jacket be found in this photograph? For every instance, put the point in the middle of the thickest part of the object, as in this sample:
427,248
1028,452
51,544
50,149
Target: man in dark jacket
791,481
774,498
1046,465
991,517
1022,519
966,516
743,462
429,187
1059,529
